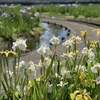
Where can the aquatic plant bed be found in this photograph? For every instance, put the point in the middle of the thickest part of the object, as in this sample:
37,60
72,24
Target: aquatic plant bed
75,77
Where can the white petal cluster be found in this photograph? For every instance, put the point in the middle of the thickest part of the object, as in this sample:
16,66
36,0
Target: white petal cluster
57,76
36,14
49,87
21,68
46,62
39,65
31,72
98,80
76,39
91,56
20,43
9,73
23,11
80,68
62,84
43,50
68,43
55,40
65,72
24,68
86,51
89,53
95,68
71,41
68,55
55,64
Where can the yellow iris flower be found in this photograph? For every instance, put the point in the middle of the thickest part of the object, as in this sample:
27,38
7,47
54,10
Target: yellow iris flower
80,95
73,95
38,79
97,30
83,33
7,52
76,51
83,81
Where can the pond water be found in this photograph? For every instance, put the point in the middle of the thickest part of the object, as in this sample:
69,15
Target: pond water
44,39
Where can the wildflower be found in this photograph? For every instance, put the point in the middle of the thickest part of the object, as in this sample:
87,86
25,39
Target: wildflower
55,40
80,68
76,39
23,11
93,43
9,73
62,84
39,65
68,43
30,83
73,95
36,14
55,64
49,87
95,68
85,51
31,71
56,75
4,14
7,52
28,8
84,33
98,31
65,72
89,53
46,62
91,56
28,68
21,68
75,51
23,63
68,55
20,43
98,80
80,95
38,79
82,79
43,50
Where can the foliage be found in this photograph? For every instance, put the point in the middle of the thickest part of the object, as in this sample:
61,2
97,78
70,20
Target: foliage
84,10
76,77
17,20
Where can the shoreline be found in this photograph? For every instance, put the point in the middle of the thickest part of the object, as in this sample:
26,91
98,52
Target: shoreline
75,29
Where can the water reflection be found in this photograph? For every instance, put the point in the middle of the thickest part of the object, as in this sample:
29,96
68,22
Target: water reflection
51,30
